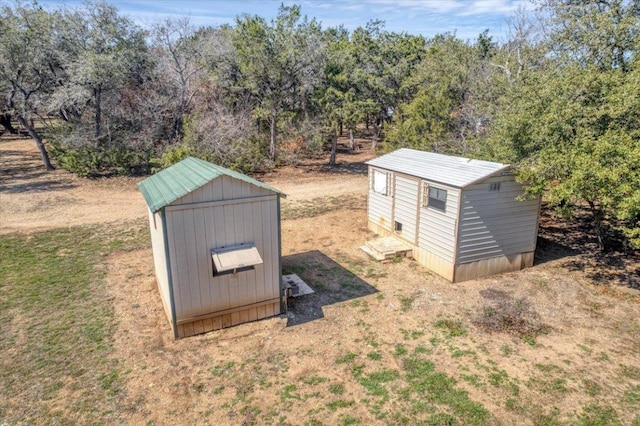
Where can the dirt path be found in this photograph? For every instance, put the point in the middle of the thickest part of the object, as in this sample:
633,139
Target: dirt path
32,199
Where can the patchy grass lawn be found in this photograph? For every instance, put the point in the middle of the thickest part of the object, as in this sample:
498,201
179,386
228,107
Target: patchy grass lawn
84,340
57,326
393,346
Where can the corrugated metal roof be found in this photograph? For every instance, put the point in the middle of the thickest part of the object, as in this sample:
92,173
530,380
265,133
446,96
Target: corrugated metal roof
178,180
445,169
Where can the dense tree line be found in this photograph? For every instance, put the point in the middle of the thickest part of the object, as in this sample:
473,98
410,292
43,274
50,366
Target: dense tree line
560,98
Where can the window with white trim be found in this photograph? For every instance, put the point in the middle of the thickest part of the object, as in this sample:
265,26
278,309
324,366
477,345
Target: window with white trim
380,182
437,198
494,186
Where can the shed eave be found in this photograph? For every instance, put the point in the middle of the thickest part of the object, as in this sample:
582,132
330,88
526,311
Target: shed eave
506,167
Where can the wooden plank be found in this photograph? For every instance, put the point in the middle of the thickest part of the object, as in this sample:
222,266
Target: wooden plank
209,242
235,318
268,237
191,263
188,329
175,233
198,327
227,312
221,240
226,321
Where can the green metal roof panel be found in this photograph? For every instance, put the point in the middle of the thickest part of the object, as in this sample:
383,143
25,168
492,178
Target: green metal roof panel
180,179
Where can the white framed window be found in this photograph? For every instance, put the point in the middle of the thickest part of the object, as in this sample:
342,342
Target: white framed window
381,182
437,198
494,186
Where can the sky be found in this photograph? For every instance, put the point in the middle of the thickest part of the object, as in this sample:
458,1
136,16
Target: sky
467,18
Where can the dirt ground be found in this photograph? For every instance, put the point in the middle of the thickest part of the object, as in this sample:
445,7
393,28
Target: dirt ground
288,369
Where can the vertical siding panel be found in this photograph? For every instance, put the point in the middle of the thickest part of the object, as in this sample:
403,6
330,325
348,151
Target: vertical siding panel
251,275
438,229
221,235
210,242
191,263
216,189
187,199
258,234
231,239
202,259
267,236
175,235
379,207
275,249
160,260
243,281
197,195
406,197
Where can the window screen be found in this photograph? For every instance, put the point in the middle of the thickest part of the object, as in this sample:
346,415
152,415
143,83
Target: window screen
437,198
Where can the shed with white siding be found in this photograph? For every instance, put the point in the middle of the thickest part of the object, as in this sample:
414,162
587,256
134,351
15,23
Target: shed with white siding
463,217
216,246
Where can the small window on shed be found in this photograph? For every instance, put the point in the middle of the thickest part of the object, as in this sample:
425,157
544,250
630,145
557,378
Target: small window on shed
437,198
494,186
381,184
230,260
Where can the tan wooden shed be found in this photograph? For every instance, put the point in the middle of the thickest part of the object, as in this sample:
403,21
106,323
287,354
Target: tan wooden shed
463,218
216,246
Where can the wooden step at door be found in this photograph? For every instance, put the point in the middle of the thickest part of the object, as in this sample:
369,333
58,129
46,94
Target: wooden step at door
385,248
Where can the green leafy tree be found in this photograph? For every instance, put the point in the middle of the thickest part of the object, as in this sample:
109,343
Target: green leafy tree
279,64
600,33
574,133
428,120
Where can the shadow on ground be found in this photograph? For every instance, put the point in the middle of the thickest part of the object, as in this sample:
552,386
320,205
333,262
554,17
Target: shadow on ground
575,242
18,175
331,282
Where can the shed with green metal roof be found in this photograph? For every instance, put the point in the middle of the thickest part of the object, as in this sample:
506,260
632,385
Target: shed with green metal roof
216,246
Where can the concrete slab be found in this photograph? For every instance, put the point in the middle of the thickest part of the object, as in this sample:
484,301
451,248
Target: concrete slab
295,286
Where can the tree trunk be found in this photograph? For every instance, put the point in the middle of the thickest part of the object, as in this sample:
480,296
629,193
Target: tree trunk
352,141
36,137
597,221
377,128
340,131
273,147
334,148
5,121
98,95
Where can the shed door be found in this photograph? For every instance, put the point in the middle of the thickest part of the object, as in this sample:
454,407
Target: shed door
405,210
